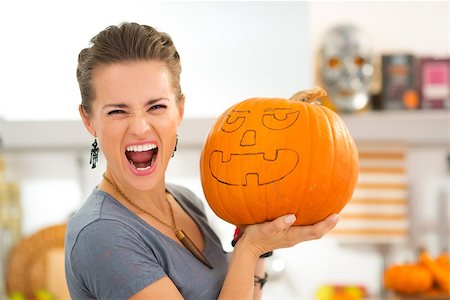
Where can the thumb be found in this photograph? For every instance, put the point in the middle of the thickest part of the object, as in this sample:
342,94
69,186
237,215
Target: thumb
281,223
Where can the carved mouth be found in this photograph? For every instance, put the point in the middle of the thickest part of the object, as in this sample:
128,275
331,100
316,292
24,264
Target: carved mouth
252,168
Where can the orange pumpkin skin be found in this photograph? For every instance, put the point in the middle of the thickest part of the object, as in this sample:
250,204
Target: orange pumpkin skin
408,278
268,157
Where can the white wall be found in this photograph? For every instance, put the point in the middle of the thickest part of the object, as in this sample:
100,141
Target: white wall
229,50
418,27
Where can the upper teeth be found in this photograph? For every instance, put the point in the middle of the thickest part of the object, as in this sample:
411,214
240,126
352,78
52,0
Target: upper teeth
140,148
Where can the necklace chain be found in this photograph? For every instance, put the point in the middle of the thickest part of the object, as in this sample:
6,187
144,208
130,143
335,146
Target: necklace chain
179,233
117,189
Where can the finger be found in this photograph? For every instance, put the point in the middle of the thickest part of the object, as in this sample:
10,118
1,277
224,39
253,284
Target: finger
318,230
332,220
279,224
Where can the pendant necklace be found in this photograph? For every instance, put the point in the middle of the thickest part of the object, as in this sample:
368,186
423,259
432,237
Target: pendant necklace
179,233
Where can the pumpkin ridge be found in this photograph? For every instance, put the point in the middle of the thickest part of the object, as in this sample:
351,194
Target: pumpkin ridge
349,149
347,182
333,196
308,167
332,139
322,123
218,207
350,144
231,214
247,204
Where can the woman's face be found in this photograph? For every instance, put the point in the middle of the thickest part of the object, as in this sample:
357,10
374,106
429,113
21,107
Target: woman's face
135,117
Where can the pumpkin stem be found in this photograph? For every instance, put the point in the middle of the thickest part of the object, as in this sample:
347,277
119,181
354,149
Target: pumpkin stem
310,96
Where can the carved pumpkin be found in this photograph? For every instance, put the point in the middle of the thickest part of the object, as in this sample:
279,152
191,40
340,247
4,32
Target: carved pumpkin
267,157
408,278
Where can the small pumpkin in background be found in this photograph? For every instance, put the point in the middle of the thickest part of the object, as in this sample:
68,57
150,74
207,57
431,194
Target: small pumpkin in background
268,157
443,260
408,278
438,269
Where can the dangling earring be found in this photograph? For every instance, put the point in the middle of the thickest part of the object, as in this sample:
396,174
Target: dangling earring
94,154
176,144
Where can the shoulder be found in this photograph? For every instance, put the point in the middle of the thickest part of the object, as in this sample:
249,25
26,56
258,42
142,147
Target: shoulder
98,206
103,232
101,241
109,258
100,222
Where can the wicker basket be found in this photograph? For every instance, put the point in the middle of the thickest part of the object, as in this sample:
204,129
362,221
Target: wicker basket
28,263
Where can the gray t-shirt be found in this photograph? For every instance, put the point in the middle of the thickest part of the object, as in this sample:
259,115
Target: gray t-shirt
110,253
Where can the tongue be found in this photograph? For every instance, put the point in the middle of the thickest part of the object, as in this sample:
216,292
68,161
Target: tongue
140,157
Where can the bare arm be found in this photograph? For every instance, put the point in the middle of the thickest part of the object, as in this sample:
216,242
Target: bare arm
245,262
260,272
261,238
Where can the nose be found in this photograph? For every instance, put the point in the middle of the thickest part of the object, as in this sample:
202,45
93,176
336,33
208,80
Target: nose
139,124
248,138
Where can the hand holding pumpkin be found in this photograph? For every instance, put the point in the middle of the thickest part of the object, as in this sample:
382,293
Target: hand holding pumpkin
279,233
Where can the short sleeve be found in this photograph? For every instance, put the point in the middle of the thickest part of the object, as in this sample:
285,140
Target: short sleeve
111,261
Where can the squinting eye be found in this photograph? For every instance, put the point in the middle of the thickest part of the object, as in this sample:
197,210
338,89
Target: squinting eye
359,61
157,107
334,62
115,112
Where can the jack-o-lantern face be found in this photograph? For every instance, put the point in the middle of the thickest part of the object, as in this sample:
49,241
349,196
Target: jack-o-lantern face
264,162
268,157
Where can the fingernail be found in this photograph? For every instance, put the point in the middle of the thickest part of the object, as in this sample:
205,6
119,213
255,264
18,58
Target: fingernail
290,219
335,218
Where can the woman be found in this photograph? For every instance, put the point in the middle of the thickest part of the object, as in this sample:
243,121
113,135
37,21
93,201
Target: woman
126,240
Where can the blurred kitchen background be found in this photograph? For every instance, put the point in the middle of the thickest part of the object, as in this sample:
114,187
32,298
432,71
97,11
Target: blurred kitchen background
231,51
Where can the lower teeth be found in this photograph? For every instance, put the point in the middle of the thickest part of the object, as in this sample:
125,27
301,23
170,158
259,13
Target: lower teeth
143,169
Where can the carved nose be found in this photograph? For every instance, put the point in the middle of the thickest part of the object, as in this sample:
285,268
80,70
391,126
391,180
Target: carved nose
249,138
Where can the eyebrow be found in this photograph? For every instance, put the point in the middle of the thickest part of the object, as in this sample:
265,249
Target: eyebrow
123,105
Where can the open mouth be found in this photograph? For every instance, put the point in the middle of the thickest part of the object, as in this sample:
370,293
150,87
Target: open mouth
142,157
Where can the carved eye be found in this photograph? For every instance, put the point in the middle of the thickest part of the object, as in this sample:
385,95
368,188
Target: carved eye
280,119
359,61
334,62
234,120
